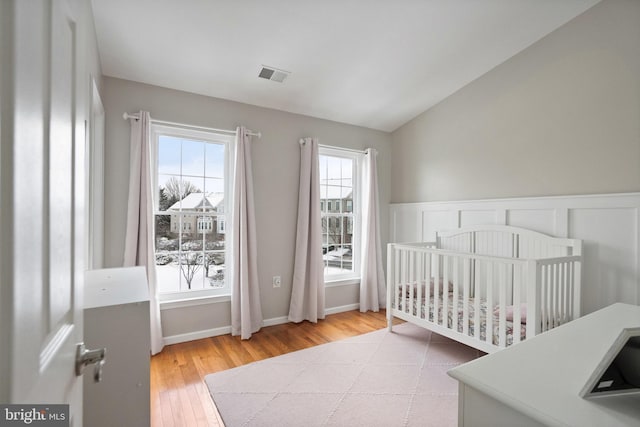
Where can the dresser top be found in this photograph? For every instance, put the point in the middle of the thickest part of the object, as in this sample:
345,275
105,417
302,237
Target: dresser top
542,377
115,286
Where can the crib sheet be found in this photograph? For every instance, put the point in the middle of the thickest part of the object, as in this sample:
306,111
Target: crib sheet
458,310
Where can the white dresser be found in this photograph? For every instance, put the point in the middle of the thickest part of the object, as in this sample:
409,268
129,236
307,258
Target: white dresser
538,382
116,316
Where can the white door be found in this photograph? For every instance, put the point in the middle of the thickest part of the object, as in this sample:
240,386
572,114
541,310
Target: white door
42,216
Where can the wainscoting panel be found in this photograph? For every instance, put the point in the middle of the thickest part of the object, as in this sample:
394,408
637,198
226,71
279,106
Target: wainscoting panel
469,217
610,254
541,220
433,221
608,224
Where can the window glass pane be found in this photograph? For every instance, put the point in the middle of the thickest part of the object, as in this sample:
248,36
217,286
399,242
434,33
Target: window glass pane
167,254
214,269
325,233
221,231
346,172
168,155
214,161
192,157
164,200
347,258
323,162
191,268
213,185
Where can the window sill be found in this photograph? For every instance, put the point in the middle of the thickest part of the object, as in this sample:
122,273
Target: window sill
190,302
341,282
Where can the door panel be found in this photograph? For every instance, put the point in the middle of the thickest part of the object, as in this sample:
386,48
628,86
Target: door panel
61,143
42,205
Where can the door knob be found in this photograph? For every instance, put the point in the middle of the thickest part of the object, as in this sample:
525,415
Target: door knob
86,357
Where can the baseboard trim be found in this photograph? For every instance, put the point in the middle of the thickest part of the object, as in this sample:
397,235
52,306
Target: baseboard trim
196,335
208,333
275,321
342,308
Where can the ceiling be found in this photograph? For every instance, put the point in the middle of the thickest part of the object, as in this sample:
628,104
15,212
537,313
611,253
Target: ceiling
372,63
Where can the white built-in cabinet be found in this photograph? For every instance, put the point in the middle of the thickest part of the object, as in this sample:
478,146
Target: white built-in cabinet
539,382
116,316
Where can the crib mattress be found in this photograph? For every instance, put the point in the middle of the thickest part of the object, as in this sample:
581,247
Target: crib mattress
458,310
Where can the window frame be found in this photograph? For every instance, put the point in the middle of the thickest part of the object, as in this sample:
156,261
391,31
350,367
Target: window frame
158,130
357,157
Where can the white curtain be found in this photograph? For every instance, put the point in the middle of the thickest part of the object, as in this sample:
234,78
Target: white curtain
139,241
372,282
307,295
246,313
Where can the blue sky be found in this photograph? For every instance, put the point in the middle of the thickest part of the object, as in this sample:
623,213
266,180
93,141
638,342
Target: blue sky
199,162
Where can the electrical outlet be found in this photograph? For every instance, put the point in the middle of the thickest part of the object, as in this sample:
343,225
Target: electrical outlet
277,281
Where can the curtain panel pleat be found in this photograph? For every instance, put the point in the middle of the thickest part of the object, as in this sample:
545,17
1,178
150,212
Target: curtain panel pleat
372,282
307,294
246,312
139,241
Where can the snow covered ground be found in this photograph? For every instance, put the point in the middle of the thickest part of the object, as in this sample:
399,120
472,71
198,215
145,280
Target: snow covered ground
169,276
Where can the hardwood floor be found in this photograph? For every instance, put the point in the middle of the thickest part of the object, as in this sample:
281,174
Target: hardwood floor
179,396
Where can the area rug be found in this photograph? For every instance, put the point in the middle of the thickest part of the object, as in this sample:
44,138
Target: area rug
377,379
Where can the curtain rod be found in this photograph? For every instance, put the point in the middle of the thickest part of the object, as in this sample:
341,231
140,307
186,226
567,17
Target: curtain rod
163,122
302,142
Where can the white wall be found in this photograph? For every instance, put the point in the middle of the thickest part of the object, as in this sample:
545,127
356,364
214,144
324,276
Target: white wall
559,118
275,168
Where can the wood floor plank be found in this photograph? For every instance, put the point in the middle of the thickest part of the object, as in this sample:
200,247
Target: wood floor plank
179,396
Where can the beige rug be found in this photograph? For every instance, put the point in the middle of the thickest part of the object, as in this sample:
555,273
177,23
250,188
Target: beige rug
377,379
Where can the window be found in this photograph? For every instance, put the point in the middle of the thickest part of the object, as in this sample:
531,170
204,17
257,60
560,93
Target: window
205,224
339,188
193,192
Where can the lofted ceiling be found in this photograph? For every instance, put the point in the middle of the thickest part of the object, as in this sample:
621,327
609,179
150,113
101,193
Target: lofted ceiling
372,63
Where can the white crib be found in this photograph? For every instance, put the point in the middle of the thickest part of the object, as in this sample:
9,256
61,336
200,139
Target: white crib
485,286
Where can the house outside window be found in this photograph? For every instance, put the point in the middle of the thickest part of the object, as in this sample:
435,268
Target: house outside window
191,200
340,192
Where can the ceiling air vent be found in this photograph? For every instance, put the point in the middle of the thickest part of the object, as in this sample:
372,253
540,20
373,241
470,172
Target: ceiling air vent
273,74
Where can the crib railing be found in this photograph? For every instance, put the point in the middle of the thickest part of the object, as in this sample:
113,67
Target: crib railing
466,294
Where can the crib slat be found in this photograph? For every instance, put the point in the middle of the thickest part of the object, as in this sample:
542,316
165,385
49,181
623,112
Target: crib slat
445,291
427,279
543,284
396,277
476,301
403,279
455,306
502,305
552,296
546,276
419,282
517,301
571,292
412,281
489,316
466,272
556,295
436,287
565,300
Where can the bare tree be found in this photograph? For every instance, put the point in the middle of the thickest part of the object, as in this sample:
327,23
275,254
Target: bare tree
189,266
177,189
